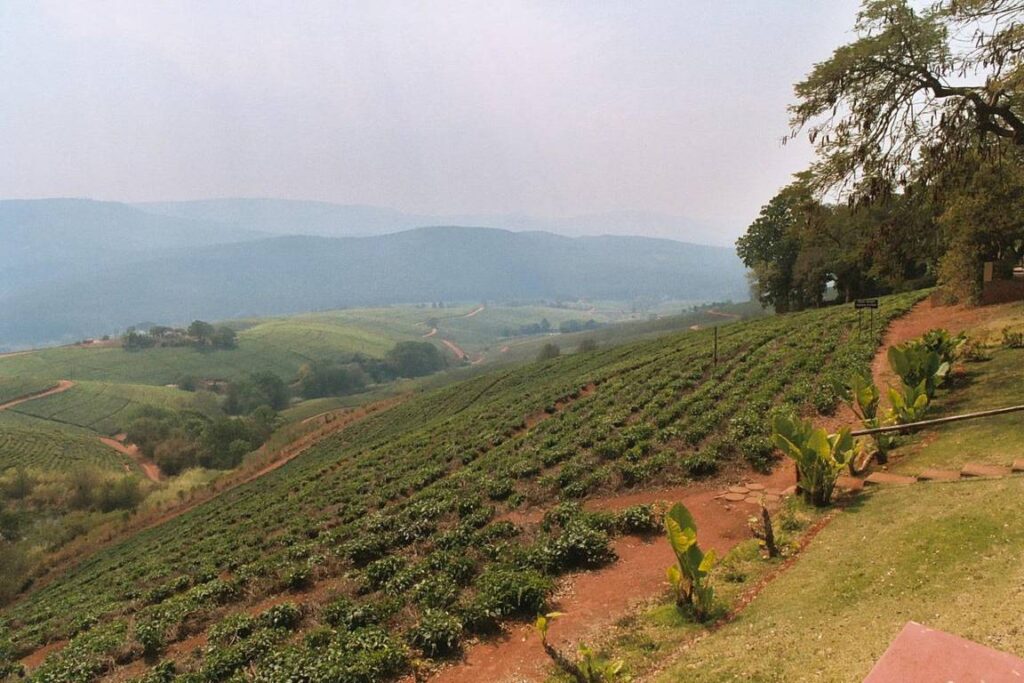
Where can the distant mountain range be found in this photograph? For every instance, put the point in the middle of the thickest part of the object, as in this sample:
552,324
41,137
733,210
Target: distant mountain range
74,268
293,217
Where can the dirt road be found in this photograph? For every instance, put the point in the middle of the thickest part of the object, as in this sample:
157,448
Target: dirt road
62,385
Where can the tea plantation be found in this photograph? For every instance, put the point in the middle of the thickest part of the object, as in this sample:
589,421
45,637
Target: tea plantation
402,513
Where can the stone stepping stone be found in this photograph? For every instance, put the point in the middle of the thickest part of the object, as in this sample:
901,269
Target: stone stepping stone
848,483
1018,465
739,489
772,498
790,491
939,475
979,469
753,500
760,487
885,478
734,497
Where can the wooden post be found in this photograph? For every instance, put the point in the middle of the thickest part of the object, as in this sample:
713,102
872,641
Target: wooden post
715,328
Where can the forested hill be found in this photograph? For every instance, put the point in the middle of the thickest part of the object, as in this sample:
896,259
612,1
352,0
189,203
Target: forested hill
289,274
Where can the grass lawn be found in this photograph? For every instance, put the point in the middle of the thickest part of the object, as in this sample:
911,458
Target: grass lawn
945,554
991,384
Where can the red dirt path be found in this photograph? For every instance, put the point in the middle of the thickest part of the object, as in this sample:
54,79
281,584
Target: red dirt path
62,385
148,467
593,600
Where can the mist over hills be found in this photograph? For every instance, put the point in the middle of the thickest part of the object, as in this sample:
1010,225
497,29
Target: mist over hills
66,279
291,217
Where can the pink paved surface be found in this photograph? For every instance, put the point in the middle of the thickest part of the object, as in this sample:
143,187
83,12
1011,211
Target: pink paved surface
924,655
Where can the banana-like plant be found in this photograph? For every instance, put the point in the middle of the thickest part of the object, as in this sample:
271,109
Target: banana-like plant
863,397
819,456
943,343
914,362
589,669
689,577
909,403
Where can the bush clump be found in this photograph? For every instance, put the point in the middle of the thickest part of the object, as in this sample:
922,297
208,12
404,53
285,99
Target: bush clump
437,633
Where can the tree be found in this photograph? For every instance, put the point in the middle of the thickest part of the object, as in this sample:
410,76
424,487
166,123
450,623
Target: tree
414,359
770,249
224,338
587,345
201,331
940,79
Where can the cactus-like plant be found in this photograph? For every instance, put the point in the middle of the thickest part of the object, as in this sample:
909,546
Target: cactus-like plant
819,456
689,576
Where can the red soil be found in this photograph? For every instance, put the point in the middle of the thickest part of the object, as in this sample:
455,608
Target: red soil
474,312
592,601
149,468
432,332
455,348
62,385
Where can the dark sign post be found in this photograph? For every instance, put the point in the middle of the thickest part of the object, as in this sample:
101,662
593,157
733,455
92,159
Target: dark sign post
870,304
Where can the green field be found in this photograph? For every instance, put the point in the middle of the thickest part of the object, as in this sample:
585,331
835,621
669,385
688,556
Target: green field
103,407
411,495
15,387
30,442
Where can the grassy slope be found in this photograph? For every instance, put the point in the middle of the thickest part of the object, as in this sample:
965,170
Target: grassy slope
408,468
992,384
946,555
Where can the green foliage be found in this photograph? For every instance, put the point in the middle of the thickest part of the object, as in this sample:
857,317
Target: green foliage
638,519
436,633
415,359
916,364
947,346
689,576
819,456
909,403
589,668
412,482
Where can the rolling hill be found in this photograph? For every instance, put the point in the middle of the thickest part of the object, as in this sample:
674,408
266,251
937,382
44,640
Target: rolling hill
300,273
396,534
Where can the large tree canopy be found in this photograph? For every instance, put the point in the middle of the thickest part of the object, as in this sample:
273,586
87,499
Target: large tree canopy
946,77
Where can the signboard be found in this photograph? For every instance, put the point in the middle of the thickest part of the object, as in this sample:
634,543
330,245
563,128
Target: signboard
865,303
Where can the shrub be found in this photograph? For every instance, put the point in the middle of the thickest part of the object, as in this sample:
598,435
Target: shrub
578,545
436,633
287,615
505,591
819,456
638,519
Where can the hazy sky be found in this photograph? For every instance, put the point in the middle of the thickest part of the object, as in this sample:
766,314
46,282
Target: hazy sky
547,108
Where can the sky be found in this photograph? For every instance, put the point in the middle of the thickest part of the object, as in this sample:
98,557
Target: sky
552,108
